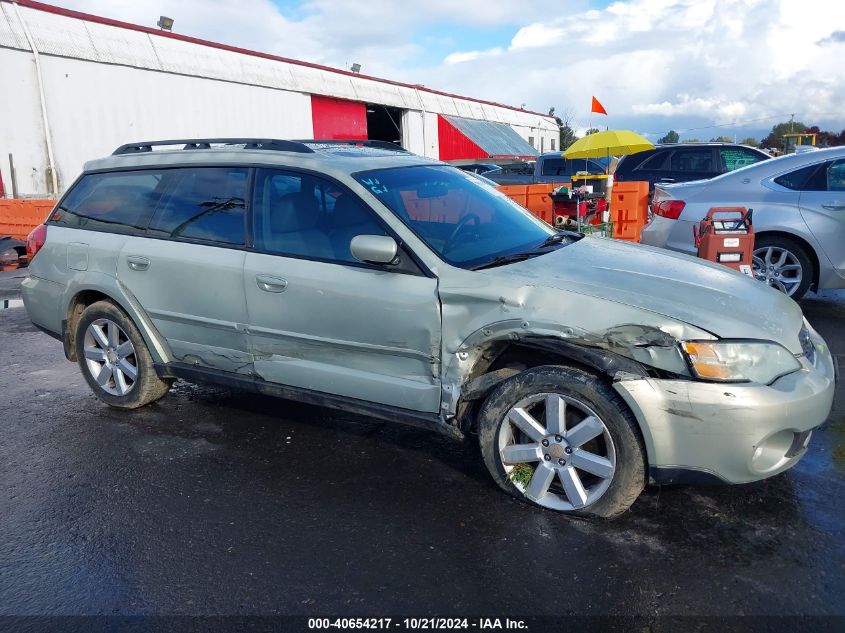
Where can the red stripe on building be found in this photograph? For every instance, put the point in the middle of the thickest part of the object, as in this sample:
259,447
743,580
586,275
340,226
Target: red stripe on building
454,144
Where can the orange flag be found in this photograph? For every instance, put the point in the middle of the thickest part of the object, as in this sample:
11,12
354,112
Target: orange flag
598,108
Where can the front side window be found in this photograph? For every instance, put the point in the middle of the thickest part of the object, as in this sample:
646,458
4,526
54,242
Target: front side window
203,203
307,216
835,176
121,202
464,221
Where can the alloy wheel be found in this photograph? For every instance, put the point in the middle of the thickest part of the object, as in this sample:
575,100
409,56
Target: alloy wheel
570,453
778,267
110,357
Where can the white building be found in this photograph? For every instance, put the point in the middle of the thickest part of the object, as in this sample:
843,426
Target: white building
76,86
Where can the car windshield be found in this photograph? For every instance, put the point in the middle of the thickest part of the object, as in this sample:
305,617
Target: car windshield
467,223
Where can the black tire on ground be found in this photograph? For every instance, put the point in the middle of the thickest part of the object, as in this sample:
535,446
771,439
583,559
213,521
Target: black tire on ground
808,269
148,386
629,477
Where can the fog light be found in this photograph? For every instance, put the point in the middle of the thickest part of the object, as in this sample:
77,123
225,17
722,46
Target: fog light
770,454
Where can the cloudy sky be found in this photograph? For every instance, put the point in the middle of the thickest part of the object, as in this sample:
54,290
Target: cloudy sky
741,65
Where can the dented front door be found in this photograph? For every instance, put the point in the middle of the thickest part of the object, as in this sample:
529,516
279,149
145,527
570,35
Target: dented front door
351,331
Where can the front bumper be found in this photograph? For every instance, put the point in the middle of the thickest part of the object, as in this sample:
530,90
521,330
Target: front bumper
737,432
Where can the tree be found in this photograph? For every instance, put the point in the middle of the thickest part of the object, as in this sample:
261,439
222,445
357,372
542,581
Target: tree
567,133
690,140
671,137
749,140
722,139
775,138
592,130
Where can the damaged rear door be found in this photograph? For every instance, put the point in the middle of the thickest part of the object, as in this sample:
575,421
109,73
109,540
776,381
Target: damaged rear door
321,320
186,269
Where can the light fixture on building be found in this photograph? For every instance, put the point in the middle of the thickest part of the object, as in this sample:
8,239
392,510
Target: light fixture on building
165,23
355,68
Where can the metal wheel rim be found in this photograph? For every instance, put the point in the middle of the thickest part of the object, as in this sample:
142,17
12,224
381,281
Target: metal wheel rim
581,458
110,357
777,267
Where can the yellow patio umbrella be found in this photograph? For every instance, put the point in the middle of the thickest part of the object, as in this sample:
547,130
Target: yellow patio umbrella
609,143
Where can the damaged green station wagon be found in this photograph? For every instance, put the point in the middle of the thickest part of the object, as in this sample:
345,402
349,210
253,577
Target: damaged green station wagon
358,276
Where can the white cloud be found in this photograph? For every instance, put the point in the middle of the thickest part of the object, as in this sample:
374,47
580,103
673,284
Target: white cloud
468,56
719,107
652,63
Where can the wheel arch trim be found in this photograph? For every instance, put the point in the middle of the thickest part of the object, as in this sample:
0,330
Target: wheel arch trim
112,290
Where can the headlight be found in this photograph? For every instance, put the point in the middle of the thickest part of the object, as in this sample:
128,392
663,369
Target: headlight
807,345
733,361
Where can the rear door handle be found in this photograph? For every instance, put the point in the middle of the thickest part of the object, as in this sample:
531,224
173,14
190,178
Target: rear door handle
136,262
834,206
268,283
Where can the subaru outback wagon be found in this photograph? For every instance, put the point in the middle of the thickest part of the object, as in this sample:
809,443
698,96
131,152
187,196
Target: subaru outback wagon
362,277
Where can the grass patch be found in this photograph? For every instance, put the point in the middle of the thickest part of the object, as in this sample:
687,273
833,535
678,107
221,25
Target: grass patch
521,474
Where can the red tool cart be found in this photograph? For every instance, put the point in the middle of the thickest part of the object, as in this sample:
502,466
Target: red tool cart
726,236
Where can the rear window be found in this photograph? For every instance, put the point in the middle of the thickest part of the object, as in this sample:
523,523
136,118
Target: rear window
735,157
121,202
564,167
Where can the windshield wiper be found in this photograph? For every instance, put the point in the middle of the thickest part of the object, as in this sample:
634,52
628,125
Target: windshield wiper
501,260
559,237
551,240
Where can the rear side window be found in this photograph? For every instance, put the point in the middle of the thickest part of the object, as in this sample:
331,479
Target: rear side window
692,160
799,179
204,203
829,176
121,202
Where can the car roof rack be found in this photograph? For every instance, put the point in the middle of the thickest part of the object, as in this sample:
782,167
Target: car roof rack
272,144
385,145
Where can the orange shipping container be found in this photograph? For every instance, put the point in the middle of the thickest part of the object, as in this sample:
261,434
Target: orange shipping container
628,209
19,216
535,198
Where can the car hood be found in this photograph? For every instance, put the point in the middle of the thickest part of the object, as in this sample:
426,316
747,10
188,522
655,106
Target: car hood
702,294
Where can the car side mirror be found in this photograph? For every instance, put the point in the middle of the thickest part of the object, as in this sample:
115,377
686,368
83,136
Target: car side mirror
374,249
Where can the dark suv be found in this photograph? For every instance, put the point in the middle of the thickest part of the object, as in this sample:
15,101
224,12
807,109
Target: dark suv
682,162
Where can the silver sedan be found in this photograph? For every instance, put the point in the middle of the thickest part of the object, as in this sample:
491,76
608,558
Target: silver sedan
799,217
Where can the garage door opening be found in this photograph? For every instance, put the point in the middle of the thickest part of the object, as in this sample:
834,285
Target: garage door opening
384,123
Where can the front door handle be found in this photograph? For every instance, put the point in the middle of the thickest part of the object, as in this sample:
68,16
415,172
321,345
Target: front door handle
268,283
136,262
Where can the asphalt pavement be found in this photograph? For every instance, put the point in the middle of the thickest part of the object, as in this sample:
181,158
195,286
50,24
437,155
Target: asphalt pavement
217,502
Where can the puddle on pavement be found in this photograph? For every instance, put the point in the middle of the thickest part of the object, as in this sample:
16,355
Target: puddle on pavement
11,303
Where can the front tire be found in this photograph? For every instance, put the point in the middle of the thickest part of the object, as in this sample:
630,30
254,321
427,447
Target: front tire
560,438
114,358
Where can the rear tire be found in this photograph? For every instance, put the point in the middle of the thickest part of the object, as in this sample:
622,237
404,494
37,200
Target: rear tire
570,429
114,358
775,261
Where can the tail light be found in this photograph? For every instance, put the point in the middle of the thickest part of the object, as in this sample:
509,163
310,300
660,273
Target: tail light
668,208
35,240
